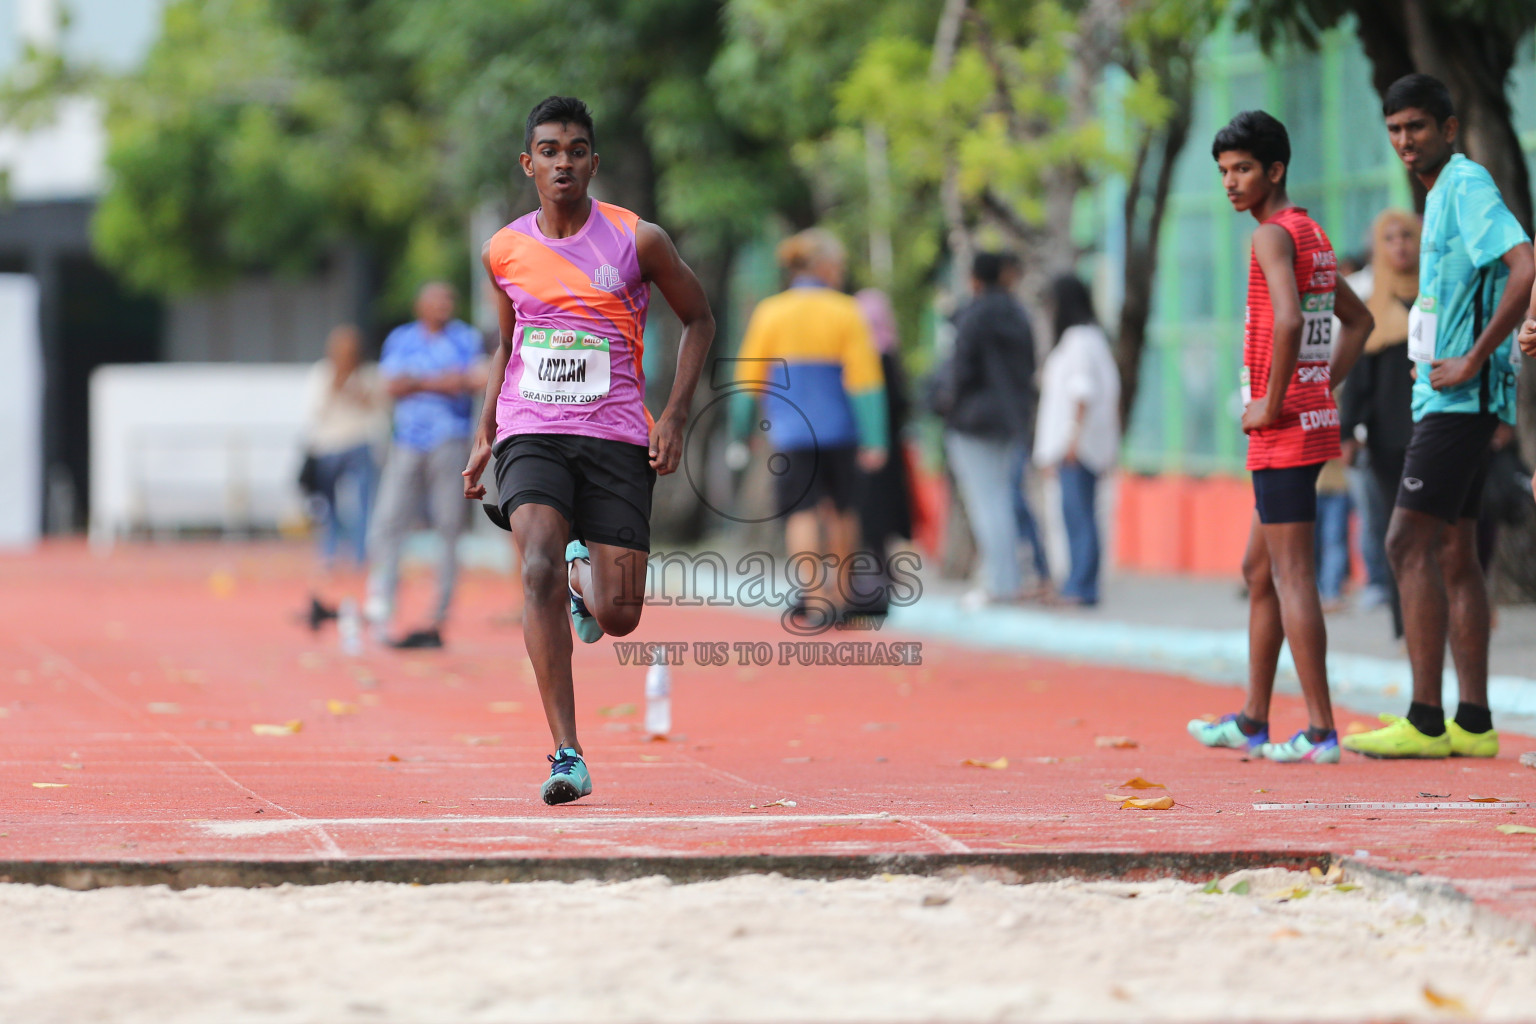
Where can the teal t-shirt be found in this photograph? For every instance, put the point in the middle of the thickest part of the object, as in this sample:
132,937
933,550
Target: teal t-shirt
1467,231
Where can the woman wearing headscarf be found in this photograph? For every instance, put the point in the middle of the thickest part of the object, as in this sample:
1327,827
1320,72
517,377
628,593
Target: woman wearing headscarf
885,504
1378,393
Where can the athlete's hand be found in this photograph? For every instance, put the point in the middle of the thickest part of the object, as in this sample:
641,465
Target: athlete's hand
1449,373
479,458
872,460
666,444
1528,338
1257,416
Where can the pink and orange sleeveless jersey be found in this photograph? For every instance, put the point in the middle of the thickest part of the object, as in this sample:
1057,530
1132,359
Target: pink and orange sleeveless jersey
575,366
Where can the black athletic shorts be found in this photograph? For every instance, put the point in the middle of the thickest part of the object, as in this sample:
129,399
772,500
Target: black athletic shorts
802,477
1286,495
1447,465
602,487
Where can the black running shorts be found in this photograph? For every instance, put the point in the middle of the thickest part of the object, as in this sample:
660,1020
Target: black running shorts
1286,495
602,488
804,477
1447,465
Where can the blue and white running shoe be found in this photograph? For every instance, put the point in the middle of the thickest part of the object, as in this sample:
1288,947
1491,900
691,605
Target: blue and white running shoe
1224,733
584,621
568,778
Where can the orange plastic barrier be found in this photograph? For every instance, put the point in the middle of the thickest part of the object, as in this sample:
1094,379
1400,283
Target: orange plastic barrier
1180,524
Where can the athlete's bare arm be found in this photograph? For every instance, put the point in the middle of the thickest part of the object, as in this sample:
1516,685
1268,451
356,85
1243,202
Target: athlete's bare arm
1357,324
1276,253
1448,373
1528,329
485,433
662,266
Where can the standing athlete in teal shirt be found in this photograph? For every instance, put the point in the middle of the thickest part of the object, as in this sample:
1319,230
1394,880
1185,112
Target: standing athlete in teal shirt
1475,278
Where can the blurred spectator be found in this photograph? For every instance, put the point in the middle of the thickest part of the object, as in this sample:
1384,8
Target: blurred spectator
885,501
1079,429
1376,409
1028,529
434,368
826,421
348,415
990,389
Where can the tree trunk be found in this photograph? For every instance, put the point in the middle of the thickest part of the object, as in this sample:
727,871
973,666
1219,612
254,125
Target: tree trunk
1146,200
946,41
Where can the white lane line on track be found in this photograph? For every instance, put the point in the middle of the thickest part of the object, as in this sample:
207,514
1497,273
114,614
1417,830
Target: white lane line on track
94,687
234,829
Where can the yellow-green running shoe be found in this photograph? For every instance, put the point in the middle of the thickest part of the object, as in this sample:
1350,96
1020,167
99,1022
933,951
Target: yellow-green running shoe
1398,738
1471,744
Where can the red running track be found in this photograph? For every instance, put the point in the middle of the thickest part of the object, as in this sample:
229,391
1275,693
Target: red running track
129,685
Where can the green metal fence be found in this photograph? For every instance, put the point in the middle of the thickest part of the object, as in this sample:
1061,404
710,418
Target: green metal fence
1342,169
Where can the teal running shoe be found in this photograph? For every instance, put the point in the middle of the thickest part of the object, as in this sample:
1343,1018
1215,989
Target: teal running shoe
1298,748
1224,733
584,621
568,778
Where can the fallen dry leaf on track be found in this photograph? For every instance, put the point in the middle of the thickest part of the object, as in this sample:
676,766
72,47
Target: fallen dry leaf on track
1357,727
1285,933
976,762
1490,800
777,803
340,707
1444,1002
479,741
1120,742
506,707
1140,783
1118,796
1517,830
617,710
286,729
1161,803
1334,875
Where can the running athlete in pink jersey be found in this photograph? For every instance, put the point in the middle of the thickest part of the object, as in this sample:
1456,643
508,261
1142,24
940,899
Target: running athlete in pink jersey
1290,364
576,453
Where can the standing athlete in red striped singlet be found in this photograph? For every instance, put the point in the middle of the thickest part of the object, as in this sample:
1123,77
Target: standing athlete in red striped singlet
1289,363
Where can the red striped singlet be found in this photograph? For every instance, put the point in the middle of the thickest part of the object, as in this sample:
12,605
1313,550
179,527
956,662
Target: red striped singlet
1308,429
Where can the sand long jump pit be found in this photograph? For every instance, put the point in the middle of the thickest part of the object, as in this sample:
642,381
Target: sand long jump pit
1257,945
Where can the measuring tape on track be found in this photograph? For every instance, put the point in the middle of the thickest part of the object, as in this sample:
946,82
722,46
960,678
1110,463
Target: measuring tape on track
1401,805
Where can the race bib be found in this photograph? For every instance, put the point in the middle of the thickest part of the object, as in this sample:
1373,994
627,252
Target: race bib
1245,388
1316,327
1422,320
564,367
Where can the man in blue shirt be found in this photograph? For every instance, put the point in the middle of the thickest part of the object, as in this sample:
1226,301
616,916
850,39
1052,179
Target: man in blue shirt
432,368
1475,278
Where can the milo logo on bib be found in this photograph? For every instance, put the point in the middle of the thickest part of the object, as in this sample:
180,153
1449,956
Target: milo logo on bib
1316,327
564,367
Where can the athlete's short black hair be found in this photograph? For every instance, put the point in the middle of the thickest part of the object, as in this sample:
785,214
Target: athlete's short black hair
559,110
1425,92
1254,131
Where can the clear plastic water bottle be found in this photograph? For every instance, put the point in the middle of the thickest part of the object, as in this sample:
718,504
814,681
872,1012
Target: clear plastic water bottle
658,697
349,626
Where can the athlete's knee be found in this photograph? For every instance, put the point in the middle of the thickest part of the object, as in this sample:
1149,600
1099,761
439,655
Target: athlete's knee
1257,574
544,578
618,618
1407,548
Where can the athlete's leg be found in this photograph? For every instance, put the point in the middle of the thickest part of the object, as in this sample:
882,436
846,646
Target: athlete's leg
540,533
612,585
1293,565
1265,632
802,536
448,507
1415,541
1467,611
